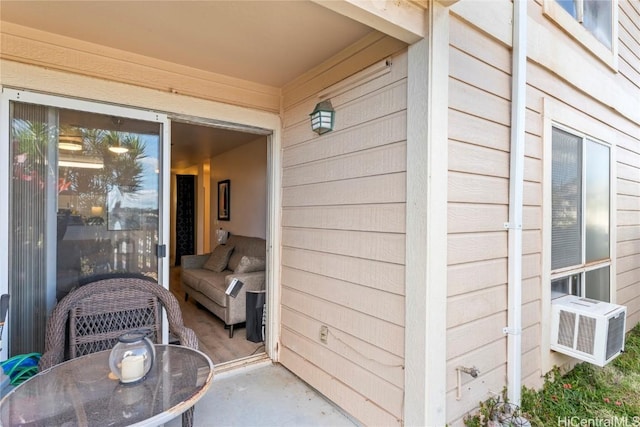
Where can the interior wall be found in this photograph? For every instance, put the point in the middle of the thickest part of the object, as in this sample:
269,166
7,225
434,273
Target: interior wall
246,168
203,205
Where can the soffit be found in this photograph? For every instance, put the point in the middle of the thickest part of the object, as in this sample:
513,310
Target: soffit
268,42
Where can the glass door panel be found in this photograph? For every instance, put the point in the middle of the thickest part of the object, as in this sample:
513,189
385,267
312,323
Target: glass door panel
84,194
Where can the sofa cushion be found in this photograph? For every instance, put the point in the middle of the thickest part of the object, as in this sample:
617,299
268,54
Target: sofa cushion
219,258
213,286
191,277
250,246
249,264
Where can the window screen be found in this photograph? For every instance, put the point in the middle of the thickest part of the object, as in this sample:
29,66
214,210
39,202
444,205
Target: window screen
597,201
566,187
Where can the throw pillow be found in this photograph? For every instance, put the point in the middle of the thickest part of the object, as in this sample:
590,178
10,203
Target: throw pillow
249,264
219,258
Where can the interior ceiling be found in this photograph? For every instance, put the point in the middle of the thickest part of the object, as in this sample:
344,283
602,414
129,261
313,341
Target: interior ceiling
267,42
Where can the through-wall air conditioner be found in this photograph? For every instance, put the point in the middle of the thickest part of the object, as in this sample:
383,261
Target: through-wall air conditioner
587,329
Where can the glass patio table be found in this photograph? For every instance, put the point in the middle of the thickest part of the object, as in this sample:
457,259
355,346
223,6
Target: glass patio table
82,391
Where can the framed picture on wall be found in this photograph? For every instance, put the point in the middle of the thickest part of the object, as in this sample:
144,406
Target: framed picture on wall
224,200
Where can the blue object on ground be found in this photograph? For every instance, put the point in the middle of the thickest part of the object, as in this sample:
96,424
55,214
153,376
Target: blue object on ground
21,367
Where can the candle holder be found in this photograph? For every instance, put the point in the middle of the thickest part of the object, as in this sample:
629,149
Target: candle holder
132,357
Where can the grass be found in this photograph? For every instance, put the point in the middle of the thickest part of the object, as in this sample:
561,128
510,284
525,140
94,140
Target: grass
586,395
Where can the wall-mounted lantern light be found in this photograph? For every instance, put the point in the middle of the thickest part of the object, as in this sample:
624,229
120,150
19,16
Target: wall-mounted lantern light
322,117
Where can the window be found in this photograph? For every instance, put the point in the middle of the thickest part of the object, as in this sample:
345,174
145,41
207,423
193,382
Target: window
594,15
592,23
580,217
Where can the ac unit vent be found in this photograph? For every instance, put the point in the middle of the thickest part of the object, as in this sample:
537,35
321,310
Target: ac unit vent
615,335
567,331
586,335
586,329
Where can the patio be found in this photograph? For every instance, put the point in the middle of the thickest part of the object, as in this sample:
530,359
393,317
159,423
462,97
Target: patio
264,394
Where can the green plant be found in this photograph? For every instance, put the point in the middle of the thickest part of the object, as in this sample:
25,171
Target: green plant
495,411
586,395
589,393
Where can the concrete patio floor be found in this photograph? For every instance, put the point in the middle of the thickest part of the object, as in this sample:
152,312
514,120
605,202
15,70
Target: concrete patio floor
264,394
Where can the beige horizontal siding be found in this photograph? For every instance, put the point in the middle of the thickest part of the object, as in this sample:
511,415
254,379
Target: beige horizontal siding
467,128
627,188
479,44
376,274
367,190
365,326
475,101
478,193
629,43
386,247
486,358
384,160
364,299
478,160
343,246
386,365
468,69
385,218
470,336
371,385
471,217
472,306
363,137
359,405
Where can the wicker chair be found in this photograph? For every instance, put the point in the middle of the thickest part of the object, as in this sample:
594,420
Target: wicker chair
92,317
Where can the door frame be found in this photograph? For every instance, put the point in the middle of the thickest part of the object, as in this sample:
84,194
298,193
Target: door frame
8,95
273,216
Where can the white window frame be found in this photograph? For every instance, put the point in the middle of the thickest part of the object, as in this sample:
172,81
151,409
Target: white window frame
556,13
584,266
560,115
8,95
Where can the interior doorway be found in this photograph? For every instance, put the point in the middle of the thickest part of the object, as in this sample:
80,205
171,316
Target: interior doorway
185,218
213,153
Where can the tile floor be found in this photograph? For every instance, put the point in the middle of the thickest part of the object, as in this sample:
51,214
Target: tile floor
264,394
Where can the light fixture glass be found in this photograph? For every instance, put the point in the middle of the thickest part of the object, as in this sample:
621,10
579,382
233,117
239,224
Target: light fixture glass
69,145
70,139
322,117
84,162
115,136
84,165
118,149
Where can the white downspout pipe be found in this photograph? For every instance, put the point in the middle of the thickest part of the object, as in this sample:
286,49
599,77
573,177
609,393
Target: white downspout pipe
516,190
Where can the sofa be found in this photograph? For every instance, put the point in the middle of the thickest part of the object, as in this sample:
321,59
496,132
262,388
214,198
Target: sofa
206,277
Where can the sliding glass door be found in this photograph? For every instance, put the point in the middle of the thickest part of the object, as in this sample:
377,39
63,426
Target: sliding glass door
84,197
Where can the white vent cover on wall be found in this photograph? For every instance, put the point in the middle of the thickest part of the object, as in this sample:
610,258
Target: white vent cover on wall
586,329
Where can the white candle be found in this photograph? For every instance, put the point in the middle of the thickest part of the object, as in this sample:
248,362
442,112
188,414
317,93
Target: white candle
132,368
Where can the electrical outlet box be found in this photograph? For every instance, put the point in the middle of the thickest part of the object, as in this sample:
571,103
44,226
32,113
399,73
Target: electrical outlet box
324,333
